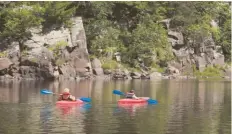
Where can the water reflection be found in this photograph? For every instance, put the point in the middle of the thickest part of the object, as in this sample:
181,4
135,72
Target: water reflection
130,109
185,106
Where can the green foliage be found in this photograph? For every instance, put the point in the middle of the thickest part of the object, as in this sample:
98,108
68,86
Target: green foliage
3,54
195,18
110,64
131,69
24,52
212,72
91,57
128,27
157,68
58,13
56,48
229,64
225,30
108,41
148,41
19,19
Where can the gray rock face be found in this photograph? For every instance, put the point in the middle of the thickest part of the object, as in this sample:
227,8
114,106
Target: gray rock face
98,71
58,53
67,71
78,34
176,38
135,75
201,63
96,65
166,23
155,75
172,71
31,72
5,63
202,52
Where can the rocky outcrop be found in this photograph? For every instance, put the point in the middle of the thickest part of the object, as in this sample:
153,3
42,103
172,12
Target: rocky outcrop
96,65
172,71
5,63
155,75
62,54
201,53
57,54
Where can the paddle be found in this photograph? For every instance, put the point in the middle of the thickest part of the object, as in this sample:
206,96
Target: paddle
45,92
149,101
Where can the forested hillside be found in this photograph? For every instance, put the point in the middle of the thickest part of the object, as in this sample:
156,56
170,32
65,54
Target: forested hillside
134,29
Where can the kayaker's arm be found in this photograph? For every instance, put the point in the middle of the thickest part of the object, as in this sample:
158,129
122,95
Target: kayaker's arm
135,97
72,98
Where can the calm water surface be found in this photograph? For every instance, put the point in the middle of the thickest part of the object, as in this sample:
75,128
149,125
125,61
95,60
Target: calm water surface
185,107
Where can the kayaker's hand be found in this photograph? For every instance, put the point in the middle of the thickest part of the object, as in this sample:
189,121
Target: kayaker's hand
73,98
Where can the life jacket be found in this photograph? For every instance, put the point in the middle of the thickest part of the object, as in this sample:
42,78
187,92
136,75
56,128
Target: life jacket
69,99
130,95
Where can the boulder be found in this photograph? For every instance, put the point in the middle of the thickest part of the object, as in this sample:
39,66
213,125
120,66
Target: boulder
135,75
155,75
5,63
107,71
98,71
96,63
172,71
67,71
166,23
118,74
200,63
177,37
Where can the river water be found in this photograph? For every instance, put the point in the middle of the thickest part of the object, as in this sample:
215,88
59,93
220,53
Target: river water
184,107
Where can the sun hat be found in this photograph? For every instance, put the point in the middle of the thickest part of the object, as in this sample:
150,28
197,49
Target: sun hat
66,91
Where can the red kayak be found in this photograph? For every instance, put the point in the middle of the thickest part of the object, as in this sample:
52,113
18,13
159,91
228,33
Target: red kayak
69,102
131,101
142,100
67,107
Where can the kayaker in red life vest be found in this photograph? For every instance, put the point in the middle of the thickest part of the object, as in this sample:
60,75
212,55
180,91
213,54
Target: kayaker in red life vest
131,95
66,96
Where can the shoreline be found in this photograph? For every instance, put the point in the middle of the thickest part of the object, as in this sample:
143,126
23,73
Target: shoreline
107,77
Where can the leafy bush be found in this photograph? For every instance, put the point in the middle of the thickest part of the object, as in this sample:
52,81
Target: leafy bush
213,72
3,54
157,68
110,64
56,48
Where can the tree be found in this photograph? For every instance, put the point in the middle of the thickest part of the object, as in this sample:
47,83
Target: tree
107,42
57,14
148,41
18,20
224,19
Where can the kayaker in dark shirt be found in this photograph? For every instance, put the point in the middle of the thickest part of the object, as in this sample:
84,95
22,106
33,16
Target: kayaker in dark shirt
66,96
131,95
